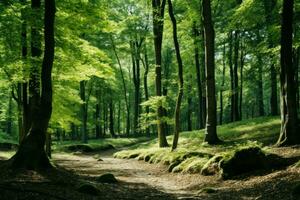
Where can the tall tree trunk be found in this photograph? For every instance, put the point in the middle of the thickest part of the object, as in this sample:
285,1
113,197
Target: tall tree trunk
236,114
242,62
36,52
9,116
146,65
83,112
180,77
269,7
289,133
230,52
31,153
211,120
223,84
260,94
203,78
158,7
111,118
200,122
124,87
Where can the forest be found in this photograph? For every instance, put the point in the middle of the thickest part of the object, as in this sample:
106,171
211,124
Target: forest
149,99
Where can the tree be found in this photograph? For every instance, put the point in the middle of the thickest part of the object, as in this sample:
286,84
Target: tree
209,33
31,153
289,133
158,7
180,77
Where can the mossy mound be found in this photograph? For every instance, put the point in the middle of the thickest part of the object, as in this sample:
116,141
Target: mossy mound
88,189
80,147
107,178
243,161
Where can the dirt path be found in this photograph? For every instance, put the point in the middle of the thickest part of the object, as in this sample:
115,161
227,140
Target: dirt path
133,172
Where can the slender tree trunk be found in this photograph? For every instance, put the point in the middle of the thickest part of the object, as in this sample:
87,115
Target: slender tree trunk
289,133
260,94
111,118
31,153
158,25
223,84
180,77
9,116
236,114
269,6
124,87
198,75
146,83
231,76
203,78
242,61
83,112
211,120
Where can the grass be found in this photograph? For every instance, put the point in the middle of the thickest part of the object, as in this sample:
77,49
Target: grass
193,154
100,144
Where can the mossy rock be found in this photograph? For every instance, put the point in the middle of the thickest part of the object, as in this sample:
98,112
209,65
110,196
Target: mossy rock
296,191
107,178
80,147
243,161
212,166
88,189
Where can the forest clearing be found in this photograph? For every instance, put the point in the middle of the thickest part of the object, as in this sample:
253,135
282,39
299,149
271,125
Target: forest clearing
149,99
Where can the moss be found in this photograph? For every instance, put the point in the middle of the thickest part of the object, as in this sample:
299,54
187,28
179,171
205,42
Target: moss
183,165
107,178
297,164
212,166
196,165
242,161
87,188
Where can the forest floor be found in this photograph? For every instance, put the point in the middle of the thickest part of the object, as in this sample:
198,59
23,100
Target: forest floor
140,180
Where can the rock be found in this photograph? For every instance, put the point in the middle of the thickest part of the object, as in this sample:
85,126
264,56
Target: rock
107,178
88,189
243,161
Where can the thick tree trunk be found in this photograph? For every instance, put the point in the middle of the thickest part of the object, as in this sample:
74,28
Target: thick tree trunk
31,153
200,121
158,26
211,120
180,77
289,133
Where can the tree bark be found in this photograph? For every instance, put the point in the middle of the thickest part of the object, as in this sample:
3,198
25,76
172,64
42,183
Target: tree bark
200,120
289,133
269,6
31,153
222,85
180,77
83,112
211,119
158,7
